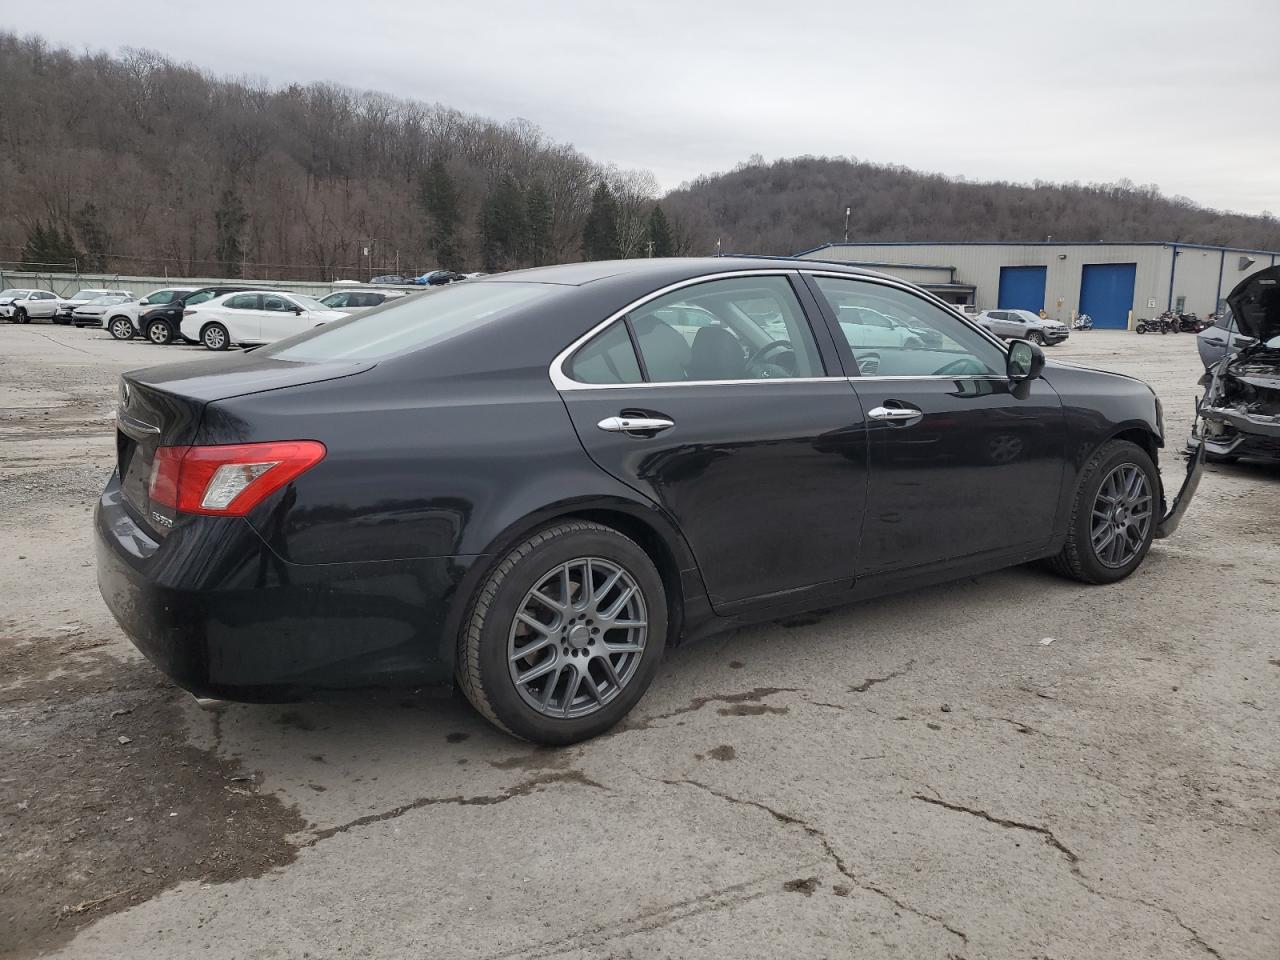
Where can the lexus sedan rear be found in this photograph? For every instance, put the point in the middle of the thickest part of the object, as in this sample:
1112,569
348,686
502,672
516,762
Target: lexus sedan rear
531,484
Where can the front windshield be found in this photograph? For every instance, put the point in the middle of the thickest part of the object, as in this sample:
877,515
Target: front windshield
12,294
106,301
412,323
87,295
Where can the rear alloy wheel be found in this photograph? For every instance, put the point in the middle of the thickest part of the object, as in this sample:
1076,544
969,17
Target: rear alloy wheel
1036,337
565,635
121,328
214,336
158,332
1114,517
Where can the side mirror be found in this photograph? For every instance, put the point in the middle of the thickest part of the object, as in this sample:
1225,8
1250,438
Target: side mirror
1025,362
297,311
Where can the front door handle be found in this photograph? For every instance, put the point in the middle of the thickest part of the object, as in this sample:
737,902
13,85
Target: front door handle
635,424
894,414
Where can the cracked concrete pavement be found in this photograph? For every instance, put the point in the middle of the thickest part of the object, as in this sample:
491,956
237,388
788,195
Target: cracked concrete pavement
917,776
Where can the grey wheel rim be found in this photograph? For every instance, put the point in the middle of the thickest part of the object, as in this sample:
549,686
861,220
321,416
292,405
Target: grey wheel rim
214,338
158,333
1121,515
577,638
122,329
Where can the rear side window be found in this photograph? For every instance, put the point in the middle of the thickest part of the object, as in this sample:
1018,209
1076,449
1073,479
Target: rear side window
241,301
608,357
428,318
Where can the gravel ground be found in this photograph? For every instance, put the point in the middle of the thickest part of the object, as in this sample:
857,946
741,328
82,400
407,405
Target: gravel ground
920,776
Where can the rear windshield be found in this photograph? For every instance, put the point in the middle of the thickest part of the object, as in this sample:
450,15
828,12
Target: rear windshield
411,323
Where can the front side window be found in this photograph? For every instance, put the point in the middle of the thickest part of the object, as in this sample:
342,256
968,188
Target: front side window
277,304
738,328
200,297
924,341
160,296
335,300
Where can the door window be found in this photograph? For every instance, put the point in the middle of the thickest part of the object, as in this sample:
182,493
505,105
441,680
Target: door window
740,328
336,300
278,304
608,357
924,340
241,301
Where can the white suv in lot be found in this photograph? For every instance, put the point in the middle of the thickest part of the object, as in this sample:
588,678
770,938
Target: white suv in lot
122,320
1023,325
23,306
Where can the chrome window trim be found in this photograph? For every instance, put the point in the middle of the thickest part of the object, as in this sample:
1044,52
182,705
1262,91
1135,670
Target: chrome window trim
562,381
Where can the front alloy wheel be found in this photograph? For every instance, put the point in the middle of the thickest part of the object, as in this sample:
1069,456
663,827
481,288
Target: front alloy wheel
121,329
565,634
1113,518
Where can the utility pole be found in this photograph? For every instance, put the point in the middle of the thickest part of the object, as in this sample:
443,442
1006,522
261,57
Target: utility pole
718,253
847,211
650,246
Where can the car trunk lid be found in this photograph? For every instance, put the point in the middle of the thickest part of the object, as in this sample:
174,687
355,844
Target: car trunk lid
162,407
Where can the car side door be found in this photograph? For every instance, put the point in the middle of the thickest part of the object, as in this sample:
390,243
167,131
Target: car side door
751,442
43,304
281,317
961,461
241,313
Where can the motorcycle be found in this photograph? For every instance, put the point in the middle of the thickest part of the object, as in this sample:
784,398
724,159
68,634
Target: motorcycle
1082,322
1160,324
1187,323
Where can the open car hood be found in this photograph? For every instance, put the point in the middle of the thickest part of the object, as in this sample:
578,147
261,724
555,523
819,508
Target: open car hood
1255,303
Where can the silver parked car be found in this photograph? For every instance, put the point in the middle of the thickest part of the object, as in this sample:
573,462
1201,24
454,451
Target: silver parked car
355,302
1221,339
1023,325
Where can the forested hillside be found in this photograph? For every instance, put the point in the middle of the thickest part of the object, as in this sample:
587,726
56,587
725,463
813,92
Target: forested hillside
136,164
789,205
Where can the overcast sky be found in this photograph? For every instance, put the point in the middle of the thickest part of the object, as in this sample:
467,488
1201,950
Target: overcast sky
1170,92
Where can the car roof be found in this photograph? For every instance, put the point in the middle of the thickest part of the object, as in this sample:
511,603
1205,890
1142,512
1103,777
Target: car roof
666,269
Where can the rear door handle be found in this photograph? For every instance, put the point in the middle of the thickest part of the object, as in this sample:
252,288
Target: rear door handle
635,424
894,414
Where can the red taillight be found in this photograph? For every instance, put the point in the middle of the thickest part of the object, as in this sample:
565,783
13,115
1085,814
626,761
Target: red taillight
228,480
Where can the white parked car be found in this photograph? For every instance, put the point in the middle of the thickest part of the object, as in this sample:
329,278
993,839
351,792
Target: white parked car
354,302
94,313
23,306
122,320
253,317
67,305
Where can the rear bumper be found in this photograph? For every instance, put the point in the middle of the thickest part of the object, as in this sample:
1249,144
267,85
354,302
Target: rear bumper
216,610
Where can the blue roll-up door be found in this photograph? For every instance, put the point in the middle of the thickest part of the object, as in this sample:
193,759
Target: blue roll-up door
1022,288
1106,293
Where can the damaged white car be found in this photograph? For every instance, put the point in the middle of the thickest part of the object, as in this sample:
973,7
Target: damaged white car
1240,412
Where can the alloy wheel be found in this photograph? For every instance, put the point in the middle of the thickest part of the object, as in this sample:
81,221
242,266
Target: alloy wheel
215,338
121,329
1121,515
158,333
577,638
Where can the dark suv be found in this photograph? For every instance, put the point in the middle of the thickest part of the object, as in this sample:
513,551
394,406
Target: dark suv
162,324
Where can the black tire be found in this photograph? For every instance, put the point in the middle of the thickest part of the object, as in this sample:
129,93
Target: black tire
1140,328
160,333
1077,560
482,667
20,316
214,336
1036,337
121,328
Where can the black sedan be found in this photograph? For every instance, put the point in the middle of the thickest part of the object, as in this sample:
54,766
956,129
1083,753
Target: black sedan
533,483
